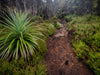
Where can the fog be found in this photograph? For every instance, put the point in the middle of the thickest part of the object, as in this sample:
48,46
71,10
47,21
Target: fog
52,7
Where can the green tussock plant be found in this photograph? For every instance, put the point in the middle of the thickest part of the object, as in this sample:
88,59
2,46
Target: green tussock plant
17,39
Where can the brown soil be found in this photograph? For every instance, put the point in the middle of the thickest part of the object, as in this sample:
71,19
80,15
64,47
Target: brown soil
60,58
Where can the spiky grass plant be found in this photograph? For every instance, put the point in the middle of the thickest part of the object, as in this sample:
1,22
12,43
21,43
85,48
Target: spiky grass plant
16,40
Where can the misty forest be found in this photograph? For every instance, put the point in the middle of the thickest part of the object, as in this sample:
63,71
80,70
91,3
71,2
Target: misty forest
49,37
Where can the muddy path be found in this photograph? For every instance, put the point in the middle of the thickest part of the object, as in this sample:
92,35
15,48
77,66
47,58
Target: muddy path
60,58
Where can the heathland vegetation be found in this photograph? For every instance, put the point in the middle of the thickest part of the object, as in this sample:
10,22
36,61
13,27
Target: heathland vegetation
25,26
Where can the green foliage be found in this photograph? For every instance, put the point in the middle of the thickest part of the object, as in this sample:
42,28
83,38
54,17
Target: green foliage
48,28
58,25
51,29
69,18
85,32
54,18
25,40
97,7
81,49
17,40
36,18
33,67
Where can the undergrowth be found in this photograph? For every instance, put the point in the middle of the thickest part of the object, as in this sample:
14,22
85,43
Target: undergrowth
85,34
33,67
69,18
39,30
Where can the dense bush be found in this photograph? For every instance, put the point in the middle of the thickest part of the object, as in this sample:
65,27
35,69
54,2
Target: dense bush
85,34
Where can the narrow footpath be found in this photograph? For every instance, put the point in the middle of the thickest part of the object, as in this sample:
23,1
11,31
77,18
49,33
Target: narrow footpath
60,58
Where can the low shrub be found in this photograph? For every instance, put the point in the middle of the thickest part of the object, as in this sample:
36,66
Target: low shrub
21,67
69,18
58,25
86,40
54,18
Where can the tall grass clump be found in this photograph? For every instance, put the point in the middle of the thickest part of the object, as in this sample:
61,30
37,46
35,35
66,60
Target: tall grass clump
17,40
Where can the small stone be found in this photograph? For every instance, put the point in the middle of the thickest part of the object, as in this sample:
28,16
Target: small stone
66,62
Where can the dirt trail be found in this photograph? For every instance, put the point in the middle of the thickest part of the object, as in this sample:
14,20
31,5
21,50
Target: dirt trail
60,58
